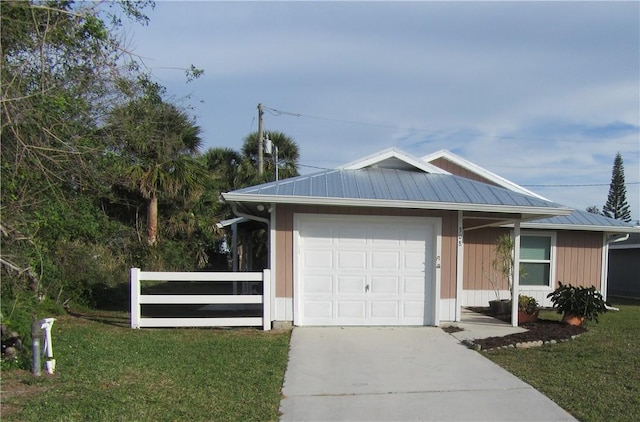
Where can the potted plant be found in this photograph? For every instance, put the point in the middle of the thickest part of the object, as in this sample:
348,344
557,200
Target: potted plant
577,303
527,309
502,270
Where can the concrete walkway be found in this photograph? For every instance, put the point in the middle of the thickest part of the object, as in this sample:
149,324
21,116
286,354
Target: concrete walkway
401,374
476,326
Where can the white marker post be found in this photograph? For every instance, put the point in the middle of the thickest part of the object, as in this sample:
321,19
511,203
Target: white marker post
50,363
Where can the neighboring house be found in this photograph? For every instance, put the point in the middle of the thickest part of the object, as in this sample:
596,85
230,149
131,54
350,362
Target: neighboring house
624,268
396,240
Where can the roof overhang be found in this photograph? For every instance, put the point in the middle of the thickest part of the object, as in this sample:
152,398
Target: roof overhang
581,227
522,212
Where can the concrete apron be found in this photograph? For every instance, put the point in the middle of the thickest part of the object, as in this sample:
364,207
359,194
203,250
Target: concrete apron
401,374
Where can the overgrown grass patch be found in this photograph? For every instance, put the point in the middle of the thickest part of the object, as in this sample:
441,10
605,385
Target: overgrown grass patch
107,371
595,377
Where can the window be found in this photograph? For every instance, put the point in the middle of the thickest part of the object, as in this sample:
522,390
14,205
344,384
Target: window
536,255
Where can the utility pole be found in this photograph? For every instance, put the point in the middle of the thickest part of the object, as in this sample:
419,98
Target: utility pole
260,142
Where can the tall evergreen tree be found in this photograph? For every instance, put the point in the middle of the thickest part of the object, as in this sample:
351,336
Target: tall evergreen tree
593,209
616,206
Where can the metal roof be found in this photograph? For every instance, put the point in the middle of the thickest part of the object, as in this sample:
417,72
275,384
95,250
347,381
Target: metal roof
395,188
582,220
480,171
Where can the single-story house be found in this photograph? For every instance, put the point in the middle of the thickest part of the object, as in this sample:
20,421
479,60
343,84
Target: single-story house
393,239
624,268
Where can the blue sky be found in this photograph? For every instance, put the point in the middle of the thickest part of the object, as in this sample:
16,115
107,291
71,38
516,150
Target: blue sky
541,93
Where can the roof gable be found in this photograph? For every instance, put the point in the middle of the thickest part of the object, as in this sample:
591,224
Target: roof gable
395,159
481,172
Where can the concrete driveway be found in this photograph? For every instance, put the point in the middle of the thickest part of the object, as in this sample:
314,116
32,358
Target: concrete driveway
401,374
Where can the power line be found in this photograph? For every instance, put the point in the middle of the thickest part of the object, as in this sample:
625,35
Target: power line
576,185
276,112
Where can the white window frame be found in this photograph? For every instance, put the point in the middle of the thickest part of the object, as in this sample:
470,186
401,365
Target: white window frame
551,261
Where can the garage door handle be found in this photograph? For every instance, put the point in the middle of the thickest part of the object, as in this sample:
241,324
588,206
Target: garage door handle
366,288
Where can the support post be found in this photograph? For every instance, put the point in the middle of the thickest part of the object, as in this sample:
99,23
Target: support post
266,299
135,297
516,273
459,267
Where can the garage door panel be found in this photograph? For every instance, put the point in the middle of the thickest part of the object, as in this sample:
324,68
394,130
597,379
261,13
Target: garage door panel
314,231
350,284
351,260
385,260
346,234
414,234
414,261
388,309
413,285
384,235
316,258
351,309
413,309
385,285
318,284
319,309
362,270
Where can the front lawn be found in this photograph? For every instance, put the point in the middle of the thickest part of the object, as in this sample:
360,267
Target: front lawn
107,371
596,377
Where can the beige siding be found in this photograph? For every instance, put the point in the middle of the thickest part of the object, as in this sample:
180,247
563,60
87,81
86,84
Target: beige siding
284,241
449,255
579,258
479,246
457,170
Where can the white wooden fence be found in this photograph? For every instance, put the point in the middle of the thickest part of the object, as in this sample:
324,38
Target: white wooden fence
138,299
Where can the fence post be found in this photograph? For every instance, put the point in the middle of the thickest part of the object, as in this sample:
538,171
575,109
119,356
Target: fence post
266,299
135,297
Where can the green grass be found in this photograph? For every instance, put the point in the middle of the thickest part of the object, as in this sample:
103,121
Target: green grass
107,371
595,377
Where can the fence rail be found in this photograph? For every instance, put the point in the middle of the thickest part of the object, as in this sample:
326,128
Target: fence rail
138,299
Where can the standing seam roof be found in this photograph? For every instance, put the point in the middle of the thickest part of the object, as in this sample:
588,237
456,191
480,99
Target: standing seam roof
393,184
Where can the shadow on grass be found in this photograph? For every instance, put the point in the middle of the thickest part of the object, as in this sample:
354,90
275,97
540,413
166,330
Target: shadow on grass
106,317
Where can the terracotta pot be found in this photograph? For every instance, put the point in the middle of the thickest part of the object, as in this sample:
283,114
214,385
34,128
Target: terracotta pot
573,319
524,317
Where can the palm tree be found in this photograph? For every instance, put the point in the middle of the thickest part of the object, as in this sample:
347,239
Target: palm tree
287,161
224,164
158,144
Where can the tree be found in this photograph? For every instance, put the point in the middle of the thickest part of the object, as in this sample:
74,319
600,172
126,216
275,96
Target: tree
288,156
61,64
616,206
593,209
225,166
61,67
159,144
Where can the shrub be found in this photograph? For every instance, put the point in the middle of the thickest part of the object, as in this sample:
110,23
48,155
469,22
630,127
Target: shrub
580,301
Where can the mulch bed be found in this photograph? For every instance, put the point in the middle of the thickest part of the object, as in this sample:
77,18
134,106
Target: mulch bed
543,330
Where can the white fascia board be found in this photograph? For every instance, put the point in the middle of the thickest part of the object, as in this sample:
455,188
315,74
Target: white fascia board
542,212
378,157
480,171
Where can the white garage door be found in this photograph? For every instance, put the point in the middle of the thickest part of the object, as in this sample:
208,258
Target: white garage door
357,270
